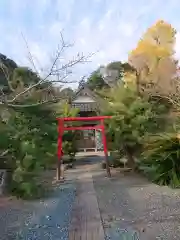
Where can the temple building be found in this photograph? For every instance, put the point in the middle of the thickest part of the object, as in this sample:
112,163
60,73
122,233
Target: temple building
89,104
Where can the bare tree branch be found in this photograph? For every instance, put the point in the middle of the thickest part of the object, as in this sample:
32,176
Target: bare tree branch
30,55
4,153
68,65
33,104
79,59
7,76
63,72
58,54
174,102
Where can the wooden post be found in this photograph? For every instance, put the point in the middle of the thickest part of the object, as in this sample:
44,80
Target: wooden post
58,170
59,154
105,149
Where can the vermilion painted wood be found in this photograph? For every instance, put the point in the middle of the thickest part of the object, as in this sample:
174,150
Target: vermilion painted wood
62,128
83,128
104,138
95,118
60,135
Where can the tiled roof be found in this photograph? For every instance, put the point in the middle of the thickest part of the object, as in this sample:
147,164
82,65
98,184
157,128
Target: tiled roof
86,106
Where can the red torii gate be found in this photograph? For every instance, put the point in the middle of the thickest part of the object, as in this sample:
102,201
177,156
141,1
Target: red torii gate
62,128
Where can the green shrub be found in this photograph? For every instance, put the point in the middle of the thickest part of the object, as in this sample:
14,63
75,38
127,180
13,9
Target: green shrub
69,146
69,149
115,159
133,118
161,158
24,185
30,139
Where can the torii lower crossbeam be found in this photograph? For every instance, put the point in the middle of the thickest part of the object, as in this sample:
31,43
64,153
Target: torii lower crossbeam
62,128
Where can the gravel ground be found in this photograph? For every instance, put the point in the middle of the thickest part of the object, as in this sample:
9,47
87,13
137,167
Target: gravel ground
12,217
115,233
130,202
127,202
40,220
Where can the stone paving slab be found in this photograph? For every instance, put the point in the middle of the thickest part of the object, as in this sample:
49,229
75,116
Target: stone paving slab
86,220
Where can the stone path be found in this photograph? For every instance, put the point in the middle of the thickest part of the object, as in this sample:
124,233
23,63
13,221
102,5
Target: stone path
86,220
89,206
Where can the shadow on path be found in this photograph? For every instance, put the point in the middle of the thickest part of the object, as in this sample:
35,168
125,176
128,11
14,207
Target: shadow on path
88,160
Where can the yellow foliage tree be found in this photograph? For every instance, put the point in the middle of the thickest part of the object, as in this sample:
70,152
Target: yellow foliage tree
153,58
129,79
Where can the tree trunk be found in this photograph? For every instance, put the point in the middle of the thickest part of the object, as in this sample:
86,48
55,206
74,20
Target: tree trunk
131,162
138,87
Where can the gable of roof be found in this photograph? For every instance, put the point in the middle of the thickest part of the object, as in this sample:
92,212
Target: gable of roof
85,91
90,105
